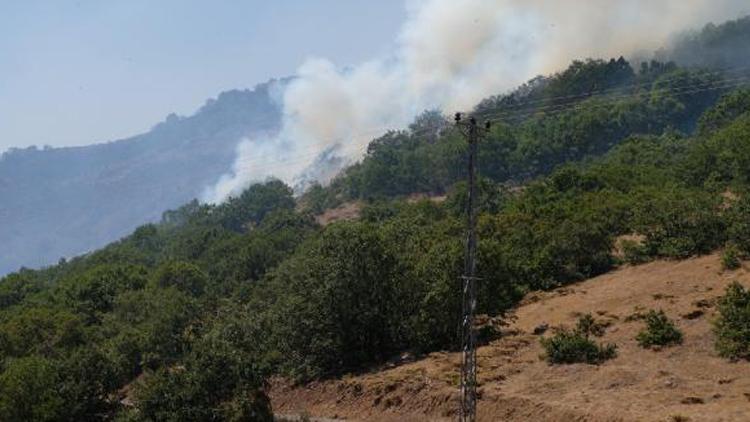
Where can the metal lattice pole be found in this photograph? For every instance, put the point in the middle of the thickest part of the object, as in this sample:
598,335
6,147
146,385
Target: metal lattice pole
469,283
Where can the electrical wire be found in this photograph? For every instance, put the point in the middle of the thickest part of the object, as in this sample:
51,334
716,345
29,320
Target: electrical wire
264,164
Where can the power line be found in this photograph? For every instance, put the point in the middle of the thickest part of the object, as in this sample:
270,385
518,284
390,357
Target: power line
692,88
720,84
554,111
720,72
268,163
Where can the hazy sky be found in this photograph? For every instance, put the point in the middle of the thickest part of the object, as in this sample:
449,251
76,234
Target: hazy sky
80,72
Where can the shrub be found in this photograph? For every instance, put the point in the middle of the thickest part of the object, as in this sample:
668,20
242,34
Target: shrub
738,226
574,346
732,328
730,258
634,252
587,325
659,331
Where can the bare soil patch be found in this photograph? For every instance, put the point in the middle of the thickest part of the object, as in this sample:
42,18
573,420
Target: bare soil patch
347,211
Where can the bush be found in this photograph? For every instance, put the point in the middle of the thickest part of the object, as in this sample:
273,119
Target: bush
634,252
738,225
730,258
659,331
732,328
574,346
587,326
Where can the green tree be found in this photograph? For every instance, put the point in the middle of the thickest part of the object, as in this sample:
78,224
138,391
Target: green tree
334,303
659,331
217,381
162,319
252,205
29,391
40,330
93,293
181,275
732,328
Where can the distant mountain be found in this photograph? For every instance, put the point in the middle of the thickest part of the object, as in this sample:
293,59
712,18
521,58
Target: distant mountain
59,202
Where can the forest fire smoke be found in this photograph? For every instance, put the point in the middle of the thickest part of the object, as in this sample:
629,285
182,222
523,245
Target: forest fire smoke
448,56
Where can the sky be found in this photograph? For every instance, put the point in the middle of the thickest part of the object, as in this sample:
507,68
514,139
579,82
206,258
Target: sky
89,71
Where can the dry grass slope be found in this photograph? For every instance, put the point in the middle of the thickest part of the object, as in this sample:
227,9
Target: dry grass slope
688,382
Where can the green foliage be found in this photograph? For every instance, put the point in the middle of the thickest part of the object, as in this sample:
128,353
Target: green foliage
183,276
146,303
216,381
738,224
721,46
29,391
88,384
17,287
40,330
730,257
659,331
93,293
317,199
336,311
671,95
678,223
78,387
574,346
205,305
583,77
431,280
723,157
546,240
252,205
490,198
727,109
588,326
732,328
634,252
163,319
537,142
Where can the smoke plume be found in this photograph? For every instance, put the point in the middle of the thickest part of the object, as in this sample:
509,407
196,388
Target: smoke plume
449,55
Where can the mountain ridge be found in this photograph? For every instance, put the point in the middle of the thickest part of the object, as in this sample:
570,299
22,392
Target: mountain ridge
61,202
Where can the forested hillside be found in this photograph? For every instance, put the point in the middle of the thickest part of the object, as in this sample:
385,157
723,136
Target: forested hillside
61,202
186,319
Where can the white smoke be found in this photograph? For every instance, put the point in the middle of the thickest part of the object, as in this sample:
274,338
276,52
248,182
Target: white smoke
450,54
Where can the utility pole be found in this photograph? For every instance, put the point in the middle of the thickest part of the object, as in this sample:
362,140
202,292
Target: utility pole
468,410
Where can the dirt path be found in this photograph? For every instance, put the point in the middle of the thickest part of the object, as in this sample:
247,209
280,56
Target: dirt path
687,381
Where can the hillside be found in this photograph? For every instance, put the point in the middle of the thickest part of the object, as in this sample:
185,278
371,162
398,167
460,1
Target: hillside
688,380
629,195
62,202
188,318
